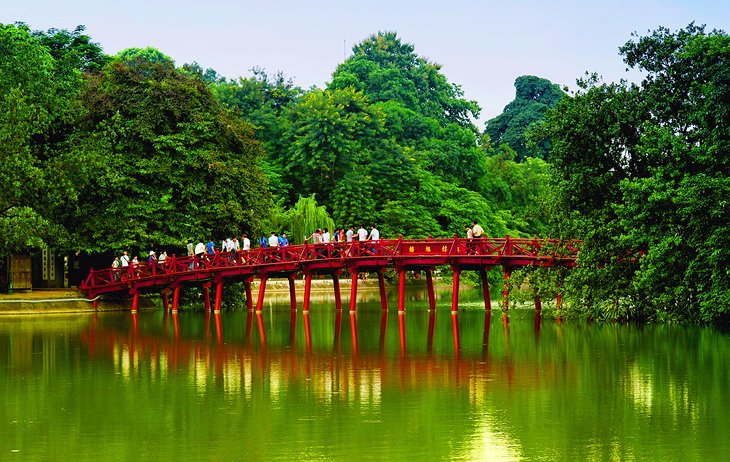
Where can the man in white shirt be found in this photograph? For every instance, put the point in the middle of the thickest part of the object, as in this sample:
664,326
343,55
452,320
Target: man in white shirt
326,236
374,234
362,234
348,235
477,230
246,242
273,240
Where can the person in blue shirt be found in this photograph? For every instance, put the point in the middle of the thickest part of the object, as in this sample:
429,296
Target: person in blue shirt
210,247
283,241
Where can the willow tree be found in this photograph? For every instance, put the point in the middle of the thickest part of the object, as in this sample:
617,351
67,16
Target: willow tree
305,217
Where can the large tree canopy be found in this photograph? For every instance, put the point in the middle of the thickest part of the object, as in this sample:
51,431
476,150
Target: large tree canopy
164,162
533,97
643,170
38,106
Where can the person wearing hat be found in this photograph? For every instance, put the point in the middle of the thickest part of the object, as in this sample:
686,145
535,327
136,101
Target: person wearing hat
151,258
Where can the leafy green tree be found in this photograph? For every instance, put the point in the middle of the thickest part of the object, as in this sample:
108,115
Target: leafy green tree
39,101
164,161
644,172
73,48
534,96
329,134
262,100
423,113
388,70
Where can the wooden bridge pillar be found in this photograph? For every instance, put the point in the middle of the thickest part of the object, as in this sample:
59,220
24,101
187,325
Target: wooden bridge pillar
429,286
485,289
292,291
135,302
353,292
262,290
164,293
383,294
455,292
307,291
247,287
206,295
336,287
218,296
401,291
175,298
538,302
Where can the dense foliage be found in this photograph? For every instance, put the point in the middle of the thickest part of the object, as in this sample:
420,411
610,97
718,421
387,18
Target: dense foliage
642,174
534,97
107,153
39,105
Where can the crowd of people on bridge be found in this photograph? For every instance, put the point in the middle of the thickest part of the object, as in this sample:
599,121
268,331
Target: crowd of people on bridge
233,246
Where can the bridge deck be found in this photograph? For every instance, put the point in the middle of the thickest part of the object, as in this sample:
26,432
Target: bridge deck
333,258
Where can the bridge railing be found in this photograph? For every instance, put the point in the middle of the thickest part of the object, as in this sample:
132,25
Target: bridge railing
382,252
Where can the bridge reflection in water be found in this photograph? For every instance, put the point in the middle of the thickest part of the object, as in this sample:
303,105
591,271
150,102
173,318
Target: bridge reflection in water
247,362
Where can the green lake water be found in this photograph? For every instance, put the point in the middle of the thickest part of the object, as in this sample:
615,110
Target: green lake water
362,386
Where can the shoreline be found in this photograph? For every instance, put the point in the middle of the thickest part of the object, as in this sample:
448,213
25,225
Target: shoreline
71,300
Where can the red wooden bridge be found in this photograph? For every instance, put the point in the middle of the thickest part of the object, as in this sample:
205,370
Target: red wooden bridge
333,259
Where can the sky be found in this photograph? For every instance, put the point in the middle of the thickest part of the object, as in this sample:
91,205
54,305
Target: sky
482,46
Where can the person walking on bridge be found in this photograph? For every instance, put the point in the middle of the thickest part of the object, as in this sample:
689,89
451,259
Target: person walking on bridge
477,230
273,240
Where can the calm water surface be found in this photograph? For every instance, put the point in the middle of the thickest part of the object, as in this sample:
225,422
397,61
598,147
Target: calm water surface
328,386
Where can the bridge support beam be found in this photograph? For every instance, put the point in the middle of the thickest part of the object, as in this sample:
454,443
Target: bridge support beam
538,302
135,302
247,287
485,289
164,294
383,294
429,286
505,290
455,292
262,291
353,291
307,291
206,295
558,302
401,291
218,296
292,291
336,287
